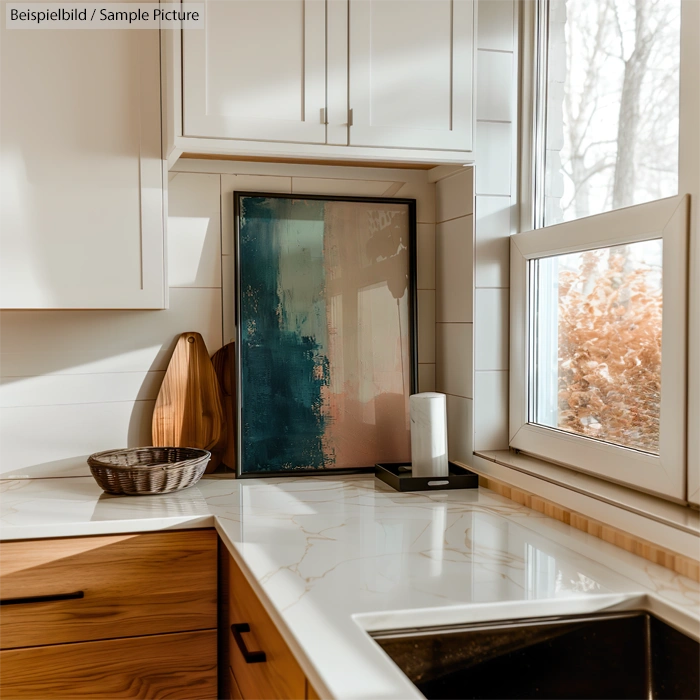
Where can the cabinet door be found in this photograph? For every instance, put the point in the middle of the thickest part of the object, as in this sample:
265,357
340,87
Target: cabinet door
178,666
411,73
81,179
257,71
248,627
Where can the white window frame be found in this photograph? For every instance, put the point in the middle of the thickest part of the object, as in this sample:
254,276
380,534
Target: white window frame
666,219
675,473
673,477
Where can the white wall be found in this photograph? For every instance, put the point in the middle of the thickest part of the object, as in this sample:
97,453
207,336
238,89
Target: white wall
75,382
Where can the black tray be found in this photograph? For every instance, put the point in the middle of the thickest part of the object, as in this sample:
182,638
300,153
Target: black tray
398,476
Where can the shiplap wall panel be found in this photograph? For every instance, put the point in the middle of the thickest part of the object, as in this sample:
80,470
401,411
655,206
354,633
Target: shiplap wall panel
491,404
454,197
46,441
494,158
495,28
426,326
58,389
492,245
454,358
341,186
426,377
460,418
491,318
93,342
425,253
194,230
494,70
454,261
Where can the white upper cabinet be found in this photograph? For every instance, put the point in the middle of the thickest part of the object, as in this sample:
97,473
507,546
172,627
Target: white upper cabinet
349,79
81,188
257,71
411,73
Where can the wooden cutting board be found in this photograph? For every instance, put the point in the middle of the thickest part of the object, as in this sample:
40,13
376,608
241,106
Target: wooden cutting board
189,411
224,362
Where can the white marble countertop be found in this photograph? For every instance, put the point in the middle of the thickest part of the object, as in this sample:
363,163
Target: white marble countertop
333,557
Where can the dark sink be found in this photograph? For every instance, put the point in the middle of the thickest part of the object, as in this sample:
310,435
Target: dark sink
612,655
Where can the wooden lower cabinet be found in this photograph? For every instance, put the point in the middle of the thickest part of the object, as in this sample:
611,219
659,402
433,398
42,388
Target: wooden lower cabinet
176,666
261,666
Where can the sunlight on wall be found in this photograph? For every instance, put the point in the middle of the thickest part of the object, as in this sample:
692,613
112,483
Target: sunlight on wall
186,235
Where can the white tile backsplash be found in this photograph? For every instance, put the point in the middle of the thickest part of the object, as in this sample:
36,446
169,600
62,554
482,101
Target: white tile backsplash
494,71
492,241
426,326
491,415
194,231
460,429
454,359
94,342
426,377
340,186
454,263
62,389
491,329
425,253
45,441
493,158
454,196
496,24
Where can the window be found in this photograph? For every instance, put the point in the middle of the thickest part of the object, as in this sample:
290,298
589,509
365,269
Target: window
597,335
612,105
604,301
599,287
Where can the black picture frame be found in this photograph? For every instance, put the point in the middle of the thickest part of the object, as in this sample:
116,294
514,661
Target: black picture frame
412,300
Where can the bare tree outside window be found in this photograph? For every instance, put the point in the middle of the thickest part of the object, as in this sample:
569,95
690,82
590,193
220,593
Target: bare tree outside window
613,105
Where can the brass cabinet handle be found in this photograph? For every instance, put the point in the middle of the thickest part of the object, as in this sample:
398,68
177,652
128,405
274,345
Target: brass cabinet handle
251,657
42,598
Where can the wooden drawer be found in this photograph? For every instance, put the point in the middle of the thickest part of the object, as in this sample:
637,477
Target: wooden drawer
173,666
130,585
279,676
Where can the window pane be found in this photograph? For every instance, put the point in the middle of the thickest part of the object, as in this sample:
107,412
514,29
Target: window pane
595,322
612,105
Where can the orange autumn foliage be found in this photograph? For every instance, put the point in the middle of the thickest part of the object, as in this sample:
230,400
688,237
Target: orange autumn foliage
609,377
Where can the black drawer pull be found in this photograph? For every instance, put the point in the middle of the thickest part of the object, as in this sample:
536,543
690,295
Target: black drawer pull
42,598
251,657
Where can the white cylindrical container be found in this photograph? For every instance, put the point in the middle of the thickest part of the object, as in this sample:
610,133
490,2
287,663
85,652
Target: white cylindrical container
429,434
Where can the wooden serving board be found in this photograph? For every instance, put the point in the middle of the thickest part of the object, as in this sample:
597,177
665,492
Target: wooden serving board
224,361
189,411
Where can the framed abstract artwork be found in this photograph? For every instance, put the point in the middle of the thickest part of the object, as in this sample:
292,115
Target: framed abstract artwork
326,353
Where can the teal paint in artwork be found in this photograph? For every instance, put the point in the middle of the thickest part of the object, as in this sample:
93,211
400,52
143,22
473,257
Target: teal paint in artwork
284,334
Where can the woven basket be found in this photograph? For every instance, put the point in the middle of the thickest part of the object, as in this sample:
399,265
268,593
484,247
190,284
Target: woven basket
147,470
